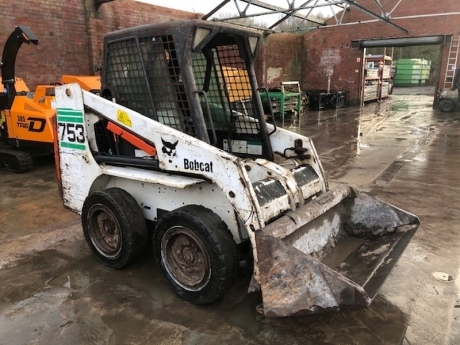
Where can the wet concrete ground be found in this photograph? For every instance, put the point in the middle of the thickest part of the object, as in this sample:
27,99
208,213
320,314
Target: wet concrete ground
402,150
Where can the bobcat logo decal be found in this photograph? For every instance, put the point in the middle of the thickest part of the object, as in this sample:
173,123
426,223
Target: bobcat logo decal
169,149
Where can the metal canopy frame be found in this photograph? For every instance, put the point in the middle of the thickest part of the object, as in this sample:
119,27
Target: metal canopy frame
302,10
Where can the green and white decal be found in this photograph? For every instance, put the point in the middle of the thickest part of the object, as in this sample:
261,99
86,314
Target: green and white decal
71,129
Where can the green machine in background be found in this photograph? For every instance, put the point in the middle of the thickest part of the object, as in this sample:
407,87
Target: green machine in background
287,98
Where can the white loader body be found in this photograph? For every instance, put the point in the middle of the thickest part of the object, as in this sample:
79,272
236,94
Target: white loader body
178,143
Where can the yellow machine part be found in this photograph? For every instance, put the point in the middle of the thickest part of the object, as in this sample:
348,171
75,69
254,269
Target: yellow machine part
44,96
19,84
239,78
30,119
27,120
88,83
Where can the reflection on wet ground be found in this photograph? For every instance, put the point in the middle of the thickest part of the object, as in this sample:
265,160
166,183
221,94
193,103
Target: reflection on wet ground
401,150
75,300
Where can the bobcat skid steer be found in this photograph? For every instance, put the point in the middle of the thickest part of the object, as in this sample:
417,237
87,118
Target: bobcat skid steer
166,145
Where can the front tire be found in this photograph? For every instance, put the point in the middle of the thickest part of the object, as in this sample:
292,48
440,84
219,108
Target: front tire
196,253
114,227
446,105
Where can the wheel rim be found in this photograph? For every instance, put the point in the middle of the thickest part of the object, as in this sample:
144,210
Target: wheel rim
446,106
104,230
185,258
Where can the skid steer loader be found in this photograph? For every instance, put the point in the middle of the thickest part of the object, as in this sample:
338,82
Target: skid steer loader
25,117
166,145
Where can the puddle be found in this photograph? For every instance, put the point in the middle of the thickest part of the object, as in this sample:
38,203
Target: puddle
36,317
342,251
399,106
63,281
245,316
455,321
85,303
442,276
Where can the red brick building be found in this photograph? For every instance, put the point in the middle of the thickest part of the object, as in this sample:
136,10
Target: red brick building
302,58
70,38
70,33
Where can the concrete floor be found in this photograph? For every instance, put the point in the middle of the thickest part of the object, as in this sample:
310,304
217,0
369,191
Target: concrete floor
401,150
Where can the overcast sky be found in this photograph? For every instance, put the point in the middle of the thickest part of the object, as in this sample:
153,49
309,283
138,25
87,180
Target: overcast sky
198,6
205,6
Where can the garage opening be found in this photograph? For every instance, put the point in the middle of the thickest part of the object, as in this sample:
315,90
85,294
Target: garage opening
382,68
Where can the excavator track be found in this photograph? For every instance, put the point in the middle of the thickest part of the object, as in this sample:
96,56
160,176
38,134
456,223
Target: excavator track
15,160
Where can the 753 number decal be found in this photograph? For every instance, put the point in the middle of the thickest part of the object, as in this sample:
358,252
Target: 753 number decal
71,132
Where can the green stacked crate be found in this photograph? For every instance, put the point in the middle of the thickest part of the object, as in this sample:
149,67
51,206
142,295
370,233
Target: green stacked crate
412,72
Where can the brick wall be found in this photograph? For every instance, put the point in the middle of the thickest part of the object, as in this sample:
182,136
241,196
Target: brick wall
281,64
62,36
333,43
70,33
121,14
70,39
331,50
337,39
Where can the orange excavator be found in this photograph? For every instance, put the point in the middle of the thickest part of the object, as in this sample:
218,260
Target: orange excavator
25,117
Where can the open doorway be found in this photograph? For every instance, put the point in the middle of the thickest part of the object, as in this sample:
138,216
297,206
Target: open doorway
416,66
413,69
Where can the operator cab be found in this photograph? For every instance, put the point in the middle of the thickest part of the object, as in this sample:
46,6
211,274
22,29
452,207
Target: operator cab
196,77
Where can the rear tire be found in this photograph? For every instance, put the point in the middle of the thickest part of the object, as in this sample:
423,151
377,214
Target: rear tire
114,227
196,253
446,105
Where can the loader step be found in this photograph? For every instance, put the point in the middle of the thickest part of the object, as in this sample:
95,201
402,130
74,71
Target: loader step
155,177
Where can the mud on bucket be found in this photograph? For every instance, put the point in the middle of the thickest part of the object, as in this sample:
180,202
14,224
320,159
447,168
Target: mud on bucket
333,253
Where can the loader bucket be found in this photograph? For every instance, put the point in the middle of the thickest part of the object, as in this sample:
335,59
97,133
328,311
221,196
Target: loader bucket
331,254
